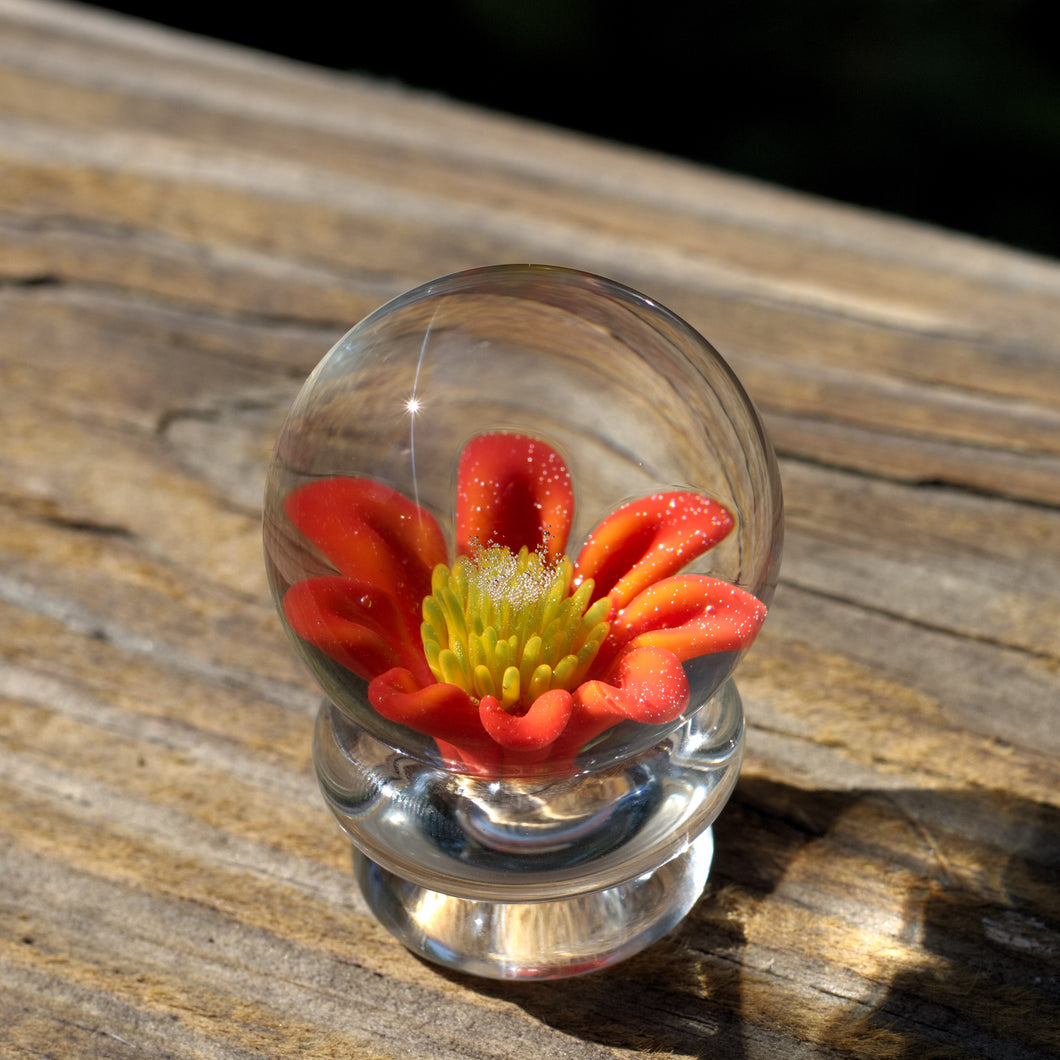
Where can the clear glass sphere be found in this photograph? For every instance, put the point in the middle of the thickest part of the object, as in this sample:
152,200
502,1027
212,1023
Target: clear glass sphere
588,382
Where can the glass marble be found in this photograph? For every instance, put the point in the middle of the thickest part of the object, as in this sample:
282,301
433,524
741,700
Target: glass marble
521,524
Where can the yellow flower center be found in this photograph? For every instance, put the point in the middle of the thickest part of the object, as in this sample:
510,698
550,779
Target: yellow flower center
508,626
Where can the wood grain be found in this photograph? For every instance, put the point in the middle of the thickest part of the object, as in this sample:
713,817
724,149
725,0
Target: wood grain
185,228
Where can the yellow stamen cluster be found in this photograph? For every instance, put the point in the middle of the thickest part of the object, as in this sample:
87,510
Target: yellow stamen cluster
508,626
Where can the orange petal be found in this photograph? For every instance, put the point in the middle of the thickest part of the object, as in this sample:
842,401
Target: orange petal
371,532
649,539
356,624
689,615
513,490
539,727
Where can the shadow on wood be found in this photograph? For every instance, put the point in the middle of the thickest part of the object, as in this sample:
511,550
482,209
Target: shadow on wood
951,955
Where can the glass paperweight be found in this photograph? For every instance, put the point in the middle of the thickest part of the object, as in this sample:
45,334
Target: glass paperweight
521,523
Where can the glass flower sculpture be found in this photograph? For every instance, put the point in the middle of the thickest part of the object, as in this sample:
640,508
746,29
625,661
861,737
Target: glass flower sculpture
514,656
521,523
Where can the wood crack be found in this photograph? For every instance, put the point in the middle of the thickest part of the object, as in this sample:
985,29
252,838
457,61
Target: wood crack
919,482
918,623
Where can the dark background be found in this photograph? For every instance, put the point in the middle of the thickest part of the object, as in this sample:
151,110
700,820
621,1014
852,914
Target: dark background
942,110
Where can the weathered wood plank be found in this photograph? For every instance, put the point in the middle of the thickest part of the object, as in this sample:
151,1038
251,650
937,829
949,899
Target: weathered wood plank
185,228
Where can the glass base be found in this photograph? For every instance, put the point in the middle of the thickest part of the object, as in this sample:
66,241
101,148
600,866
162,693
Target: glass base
538,940
525,878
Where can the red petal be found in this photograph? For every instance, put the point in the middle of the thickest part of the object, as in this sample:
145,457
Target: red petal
647,540
689,615
371,532
356,624
656,682
443,711
539,727
513,490
649,687
480,760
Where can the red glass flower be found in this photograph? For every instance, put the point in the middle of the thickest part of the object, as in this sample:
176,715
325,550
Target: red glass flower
515,657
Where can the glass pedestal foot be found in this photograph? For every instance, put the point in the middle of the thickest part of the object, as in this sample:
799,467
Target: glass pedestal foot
537,940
